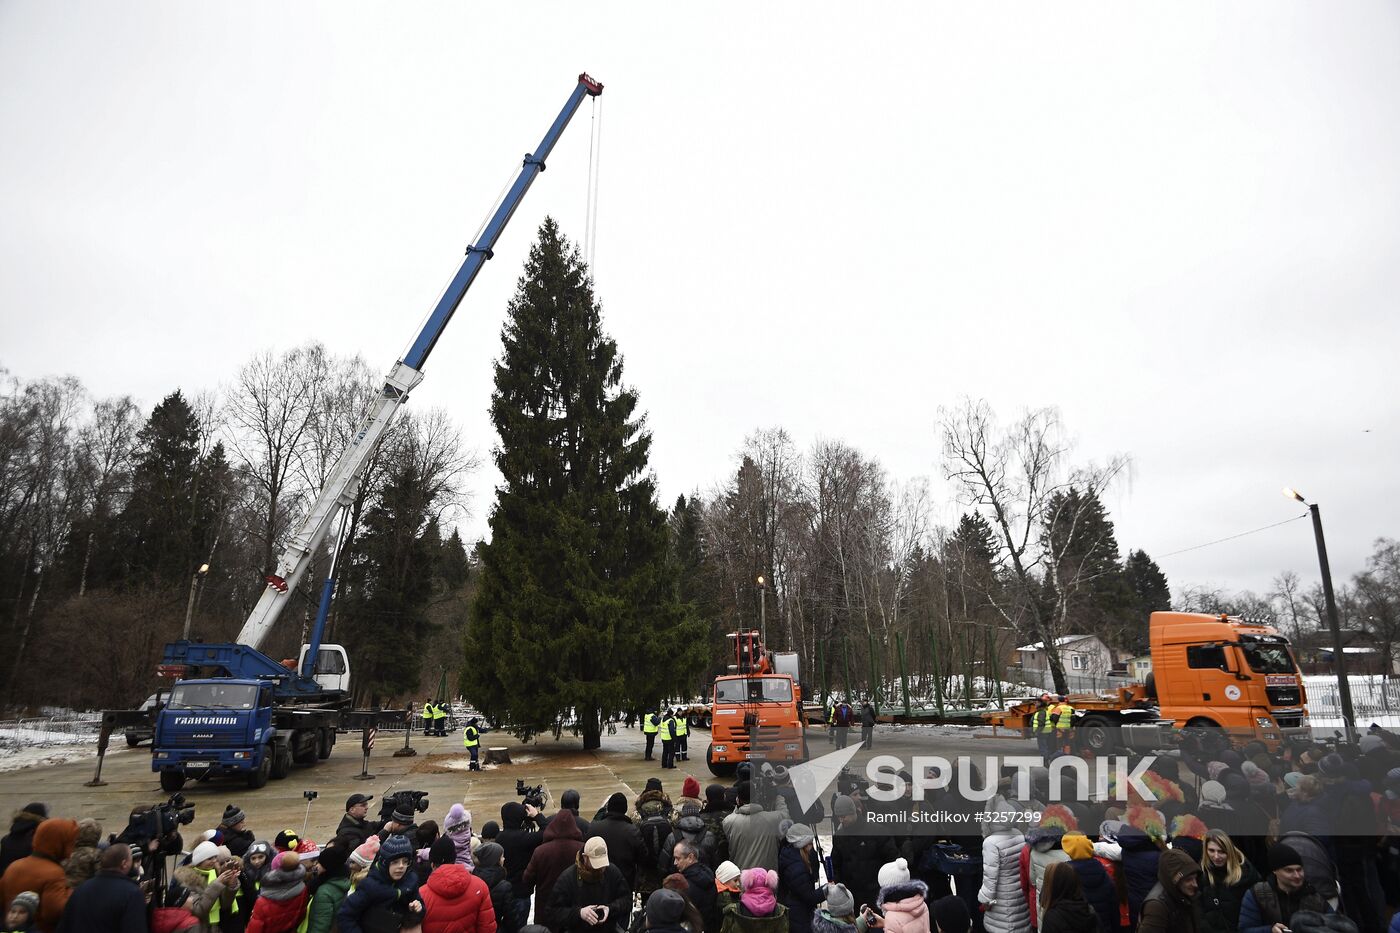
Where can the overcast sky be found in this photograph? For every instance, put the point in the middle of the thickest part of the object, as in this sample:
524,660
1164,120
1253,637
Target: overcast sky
1179,223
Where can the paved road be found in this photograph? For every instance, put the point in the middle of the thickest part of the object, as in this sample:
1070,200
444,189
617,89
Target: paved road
439,768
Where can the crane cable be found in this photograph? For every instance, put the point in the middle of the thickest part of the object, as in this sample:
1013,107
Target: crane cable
595,164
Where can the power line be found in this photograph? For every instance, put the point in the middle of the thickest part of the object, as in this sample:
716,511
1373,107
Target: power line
1197,547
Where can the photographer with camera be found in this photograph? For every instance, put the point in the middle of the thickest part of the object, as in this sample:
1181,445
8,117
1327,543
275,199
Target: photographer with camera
355,823
519,838
397,813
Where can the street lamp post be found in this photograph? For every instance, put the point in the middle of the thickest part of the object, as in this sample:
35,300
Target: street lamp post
1343,686
762,610
189,606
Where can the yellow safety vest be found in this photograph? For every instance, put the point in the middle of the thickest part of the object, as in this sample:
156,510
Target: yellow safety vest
427,711
439,712
1064,716
666,729
212,875
649,723
682,727
1042,721
470,737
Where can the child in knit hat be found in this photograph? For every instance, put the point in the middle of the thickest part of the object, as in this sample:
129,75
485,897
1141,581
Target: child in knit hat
23,909
282,899
760,897
902,899
727,885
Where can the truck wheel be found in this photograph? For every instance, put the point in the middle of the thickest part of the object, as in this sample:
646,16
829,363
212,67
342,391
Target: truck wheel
172,781
310,748
281,761
325,742
259,777
132,740
718,768
709,721
1096,735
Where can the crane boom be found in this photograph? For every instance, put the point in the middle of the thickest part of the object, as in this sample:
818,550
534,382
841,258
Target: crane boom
342,486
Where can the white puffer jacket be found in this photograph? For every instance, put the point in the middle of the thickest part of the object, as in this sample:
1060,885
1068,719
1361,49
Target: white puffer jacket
1007,911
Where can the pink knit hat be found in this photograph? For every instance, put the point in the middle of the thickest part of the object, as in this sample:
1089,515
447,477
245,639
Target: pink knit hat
758,897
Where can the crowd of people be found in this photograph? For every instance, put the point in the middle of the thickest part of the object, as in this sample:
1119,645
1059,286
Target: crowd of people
1231,841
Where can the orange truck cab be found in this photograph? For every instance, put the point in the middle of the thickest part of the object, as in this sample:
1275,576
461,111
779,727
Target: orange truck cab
756,713
1226,672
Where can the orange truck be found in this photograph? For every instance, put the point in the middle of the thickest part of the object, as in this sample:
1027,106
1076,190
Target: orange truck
756,709
1208,671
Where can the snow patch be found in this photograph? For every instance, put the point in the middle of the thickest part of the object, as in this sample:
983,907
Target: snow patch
14,758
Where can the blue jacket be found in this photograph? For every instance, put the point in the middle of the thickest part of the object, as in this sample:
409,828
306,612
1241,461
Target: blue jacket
1252,919
1306,817
379,904
797,887
1099,891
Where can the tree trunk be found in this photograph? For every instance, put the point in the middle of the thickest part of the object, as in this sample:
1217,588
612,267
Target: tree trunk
592,730
87,561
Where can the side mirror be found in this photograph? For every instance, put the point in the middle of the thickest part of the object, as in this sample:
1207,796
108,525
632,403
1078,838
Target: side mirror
1232,663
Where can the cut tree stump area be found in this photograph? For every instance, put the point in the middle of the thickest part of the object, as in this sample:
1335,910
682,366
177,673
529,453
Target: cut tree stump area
497,756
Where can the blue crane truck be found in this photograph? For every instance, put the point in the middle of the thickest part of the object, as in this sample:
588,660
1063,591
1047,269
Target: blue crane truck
234,711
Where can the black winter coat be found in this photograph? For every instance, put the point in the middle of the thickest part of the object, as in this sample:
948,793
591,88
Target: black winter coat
238,841
624,843
1099,891
855,862
502,897
797,886
519,840
694,831
20,842
1220,903
109,901
571,892
359,830
378,905
1070,916
1140,858
703,894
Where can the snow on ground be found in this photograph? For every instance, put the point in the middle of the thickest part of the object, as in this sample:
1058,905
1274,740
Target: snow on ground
464,763
18,758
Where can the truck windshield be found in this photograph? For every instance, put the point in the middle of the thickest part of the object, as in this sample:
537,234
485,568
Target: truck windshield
213,696
1269,659
754,690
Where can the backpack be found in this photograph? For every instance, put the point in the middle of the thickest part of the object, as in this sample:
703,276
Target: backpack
654,830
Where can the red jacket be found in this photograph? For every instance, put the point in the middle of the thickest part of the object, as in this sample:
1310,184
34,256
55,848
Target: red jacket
271,916
456,901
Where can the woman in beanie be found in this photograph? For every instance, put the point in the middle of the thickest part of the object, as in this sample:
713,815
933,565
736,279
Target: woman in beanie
1063,908
490,868
690,796
1226,876
332,885
1096,880
281,901
902,899
798,873
758,910
387,899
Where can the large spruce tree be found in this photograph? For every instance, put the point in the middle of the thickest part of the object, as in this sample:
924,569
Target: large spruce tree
577,614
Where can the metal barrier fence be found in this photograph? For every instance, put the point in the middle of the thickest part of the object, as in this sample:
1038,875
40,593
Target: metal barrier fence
45,730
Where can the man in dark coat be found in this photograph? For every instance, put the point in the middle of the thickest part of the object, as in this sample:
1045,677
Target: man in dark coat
1168,907
867,725
355,824
622,836
237,837
701,879
20,842
569,800
856,856
560,843
589,884
519,838
108,902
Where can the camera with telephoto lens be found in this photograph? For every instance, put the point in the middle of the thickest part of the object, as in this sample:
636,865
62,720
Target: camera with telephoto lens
412,799
160,824
534,796
848,782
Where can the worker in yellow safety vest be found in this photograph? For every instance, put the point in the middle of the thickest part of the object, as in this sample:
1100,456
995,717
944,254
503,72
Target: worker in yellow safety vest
682,730
651,725
1043,726
440,719
427,717
471,741
1063,716
668,740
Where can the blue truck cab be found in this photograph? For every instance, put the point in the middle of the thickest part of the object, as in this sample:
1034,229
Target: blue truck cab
220,727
